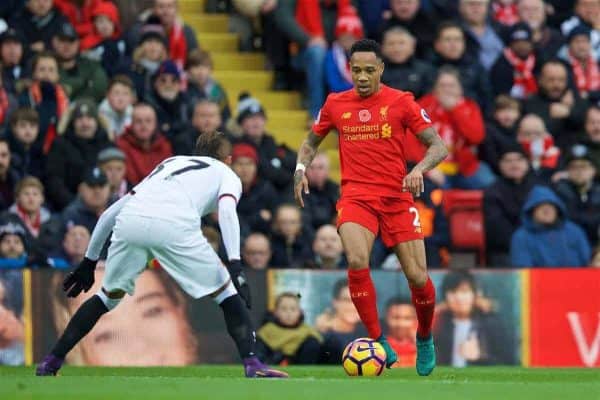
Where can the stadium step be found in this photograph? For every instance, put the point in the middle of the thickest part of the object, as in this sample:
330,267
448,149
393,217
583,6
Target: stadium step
287,119
218,41
238,61
187,7
272,100
208,23
238,81
294,137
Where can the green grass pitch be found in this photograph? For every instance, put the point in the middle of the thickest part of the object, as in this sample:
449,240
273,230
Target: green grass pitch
306,383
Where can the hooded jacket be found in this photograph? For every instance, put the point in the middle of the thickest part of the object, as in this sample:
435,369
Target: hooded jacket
563,244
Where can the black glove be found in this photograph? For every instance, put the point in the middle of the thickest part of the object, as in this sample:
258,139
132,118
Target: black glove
238,277
80,279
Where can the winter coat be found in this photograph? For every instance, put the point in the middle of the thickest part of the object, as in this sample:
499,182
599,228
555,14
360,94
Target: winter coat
49,236
68,160
261,196
77,213
141,161
422,26
563,244
413,76
38,30
291,256
31,161
320,205
79,16
496,138
212,91
116,122
86,80
583,209
173,116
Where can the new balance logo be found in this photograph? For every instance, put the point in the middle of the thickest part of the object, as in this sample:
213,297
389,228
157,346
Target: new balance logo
346,115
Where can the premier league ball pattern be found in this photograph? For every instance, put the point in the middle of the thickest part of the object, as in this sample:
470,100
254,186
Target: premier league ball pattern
363,357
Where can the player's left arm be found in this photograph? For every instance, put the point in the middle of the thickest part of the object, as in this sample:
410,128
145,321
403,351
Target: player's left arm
436,153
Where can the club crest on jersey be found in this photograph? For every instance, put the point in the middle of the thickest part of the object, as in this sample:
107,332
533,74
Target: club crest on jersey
425,116
383,113
364,116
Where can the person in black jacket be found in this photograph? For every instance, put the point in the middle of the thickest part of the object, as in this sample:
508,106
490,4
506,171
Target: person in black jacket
12,59
74,152
467,331
8,176
39,21
402,70
276,163
503,202
580,191
259,199
291,241
27,155
206,118
546,40
324,193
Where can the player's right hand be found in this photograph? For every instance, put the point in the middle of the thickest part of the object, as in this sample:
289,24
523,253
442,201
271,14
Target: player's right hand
82,279
300,185
413,183
239,280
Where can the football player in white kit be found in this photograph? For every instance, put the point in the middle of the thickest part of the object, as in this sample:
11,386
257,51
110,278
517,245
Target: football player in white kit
160,218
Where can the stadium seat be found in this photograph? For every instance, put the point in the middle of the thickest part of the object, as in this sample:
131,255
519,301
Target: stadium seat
463,209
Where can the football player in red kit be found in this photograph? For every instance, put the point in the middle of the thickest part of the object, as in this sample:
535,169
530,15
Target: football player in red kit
373,121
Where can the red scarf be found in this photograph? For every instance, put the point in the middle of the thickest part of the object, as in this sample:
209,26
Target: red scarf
586,79
308,15
62,103
33,225
3,105
542,154
524,82
178,45
505,14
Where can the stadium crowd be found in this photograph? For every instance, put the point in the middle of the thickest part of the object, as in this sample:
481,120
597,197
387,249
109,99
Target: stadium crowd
90,105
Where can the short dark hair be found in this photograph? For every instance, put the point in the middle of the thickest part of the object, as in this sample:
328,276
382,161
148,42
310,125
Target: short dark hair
447,25
199,58
397,301
213,144
338,286
289,295
121,79
41,55
26,114
366,45
454,279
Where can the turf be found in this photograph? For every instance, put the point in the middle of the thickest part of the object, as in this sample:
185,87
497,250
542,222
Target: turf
307,383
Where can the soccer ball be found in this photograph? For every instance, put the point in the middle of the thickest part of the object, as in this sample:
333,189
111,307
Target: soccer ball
363,357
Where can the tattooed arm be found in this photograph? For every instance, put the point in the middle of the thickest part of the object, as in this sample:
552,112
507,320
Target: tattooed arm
436,153
307,152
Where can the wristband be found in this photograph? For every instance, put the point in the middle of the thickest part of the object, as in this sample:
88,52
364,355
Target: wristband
300,167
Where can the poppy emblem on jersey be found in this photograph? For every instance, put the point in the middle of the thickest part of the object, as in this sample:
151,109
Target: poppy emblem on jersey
383,113
425,116
346,115
364,115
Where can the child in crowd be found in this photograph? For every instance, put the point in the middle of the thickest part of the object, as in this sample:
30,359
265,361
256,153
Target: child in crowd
285,338
26,154
117,107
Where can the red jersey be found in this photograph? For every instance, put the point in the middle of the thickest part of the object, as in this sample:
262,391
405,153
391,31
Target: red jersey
372,138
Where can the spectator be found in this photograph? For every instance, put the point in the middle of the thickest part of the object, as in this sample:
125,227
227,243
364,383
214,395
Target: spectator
8,104
143,144
401,330
505,12
373,14
483,38
40,229
259,198
460,124
467,331
244,18
93,198
450,48
324,192
500,130
291,243
117,106
592,134
348,29
539,146
105,44
182,38
80,77
206,118
257,251
8,176
410,15
12,60
327,249
548,238
73,249
503,202
39,21
111,162
150,52
402,70
512,72
311,26
546,40
12,247
583,62
202,84
285,338
276,163
586,14
595,262
580,191
558,105
169,100
79,14
46,96
27,155
74,152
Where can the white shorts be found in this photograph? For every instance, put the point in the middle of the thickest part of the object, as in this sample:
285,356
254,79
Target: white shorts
181,250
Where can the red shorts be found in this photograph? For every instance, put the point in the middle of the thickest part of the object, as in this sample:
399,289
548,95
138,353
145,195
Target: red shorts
396,218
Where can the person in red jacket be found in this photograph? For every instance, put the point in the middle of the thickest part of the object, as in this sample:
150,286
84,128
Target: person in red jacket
79,14
143,145
459,122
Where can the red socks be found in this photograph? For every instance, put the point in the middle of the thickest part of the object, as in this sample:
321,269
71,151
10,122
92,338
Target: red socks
364,298
424,301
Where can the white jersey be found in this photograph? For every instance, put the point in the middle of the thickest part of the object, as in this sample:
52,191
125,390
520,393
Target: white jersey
183,189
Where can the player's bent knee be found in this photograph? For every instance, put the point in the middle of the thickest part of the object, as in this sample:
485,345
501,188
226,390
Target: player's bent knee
110,299
416,276
358,261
